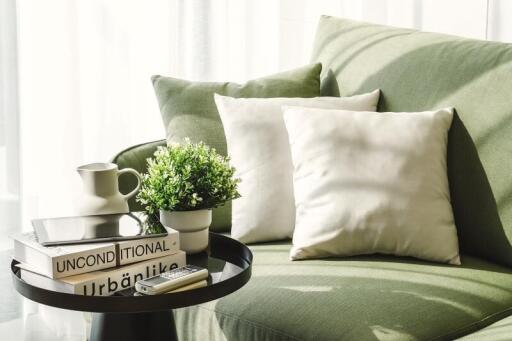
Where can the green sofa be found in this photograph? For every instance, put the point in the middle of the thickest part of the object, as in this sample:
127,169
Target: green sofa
383,297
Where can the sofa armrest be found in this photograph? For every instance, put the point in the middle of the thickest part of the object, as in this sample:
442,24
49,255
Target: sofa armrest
134,157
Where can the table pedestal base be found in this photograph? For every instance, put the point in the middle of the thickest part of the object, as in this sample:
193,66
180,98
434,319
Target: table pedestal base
153,326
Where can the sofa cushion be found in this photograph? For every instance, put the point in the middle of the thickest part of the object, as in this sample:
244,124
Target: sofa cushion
419,71
188,109
358,298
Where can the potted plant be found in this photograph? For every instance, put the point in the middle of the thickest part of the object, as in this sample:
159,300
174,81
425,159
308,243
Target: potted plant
182,184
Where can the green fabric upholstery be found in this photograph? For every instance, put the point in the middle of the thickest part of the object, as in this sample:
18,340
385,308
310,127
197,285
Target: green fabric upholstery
188,109
359,298
423,71
134,157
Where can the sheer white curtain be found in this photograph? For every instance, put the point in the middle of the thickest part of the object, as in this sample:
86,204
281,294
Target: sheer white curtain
84,67
9,128
75,75
85,91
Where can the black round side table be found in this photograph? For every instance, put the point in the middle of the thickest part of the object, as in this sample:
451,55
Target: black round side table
127,317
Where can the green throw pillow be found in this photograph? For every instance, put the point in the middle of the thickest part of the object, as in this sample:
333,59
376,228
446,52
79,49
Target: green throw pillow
188,109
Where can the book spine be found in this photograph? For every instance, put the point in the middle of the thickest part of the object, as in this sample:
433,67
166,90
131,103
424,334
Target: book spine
84,261
115,254
138,250
105,283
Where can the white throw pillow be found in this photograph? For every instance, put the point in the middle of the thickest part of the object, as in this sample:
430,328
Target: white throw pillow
258,146
370,182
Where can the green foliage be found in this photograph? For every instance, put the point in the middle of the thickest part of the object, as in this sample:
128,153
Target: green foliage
185,177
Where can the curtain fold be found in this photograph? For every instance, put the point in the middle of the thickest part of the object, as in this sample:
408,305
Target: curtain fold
9,125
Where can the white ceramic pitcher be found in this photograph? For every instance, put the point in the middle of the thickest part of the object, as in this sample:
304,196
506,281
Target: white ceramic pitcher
101,189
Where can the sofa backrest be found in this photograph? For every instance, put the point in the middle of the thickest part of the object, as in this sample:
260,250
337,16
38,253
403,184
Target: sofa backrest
422,71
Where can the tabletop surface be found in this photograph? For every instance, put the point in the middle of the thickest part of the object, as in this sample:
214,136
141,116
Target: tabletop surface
227,260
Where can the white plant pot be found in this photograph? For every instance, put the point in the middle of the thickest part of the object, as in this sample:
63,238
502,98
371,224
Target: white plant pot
193,227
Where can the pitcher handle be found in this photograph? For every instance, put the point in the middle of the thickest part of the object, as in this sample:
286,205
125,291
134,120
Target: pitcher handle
139,179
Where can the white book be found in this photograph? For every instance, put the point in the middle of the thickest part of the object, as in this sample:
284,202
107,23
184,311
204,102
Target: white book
68,260
104,282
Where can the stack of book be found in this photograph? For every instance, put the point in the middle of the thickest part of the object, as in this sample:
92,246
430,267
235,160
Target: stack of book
96,269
